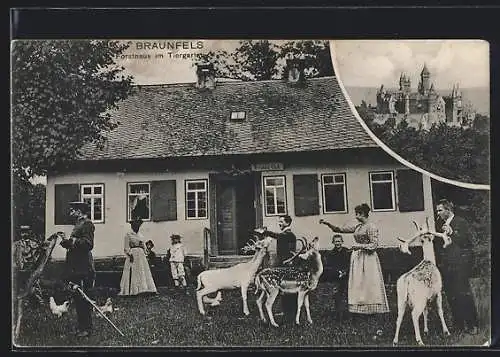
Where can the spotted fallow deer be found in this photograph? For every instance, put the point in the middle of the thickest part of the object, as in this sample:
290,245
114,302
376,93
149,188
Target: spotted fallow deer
289,280
422,284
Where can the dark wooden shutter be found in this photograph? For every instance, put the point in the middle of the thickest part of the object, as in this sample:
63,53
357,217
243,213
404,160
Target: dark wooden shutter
163,201
305,195
212,204
258,200
64,194
410,190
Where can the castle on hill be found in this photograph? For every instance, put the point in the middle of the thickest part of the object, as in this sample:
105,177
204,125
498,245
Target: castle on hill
425,106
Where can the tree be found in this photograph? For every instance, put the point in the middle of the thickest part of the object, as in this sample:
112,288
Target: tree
316,53
62,93
264,60
29,207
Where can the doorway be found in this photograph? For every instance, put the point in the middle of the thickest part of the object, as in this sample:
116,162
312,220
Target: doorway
235,212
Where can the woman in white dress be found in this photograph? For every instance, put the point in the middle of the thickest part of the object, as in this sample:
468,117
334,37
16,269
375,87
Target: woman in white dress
136,277
366,290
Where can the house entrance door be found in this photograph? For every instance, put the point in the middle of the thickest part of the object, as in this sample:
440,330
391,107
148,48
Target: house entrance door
235,213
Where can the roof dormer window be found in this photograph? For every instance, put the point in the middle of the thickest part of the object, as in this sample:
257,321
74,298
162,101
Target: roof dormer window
238,115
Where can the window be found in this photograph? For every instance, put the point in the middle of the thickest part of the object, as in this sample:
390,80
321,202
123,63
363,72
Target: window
93,194
275,195
196,199
334,193
238,115
138,201
382,191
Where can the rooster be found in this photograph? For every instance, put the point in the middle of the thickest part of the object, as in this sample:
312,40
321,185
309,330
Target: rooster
58,310
107,307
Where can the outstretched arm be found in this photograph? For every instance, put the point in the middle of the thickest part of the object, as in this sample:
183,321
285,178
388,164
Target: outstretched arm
337,229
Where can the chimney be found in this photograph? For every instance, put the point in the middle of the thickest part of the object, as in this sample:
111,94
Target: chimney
206,76
294,72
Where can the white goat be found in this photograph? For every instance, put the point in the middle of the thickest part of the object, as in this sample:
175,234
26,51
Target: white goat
237,276
422,284
289,280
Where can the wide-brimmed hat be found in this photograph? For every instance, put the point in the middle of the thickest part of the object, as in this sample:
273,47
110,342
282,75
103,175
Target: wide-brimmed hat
175,236
84,207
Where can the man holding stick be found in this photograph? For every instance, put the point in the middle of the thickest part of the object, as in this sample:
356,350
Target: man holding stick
80,264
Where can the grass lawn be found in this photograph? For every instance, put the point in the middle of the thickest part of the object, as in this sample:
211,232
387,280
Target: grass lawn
171,319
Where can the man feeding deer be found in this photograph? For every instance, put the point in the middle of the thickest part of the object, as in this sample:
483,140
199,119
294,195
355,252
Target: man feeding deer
285,246
454,261
80,270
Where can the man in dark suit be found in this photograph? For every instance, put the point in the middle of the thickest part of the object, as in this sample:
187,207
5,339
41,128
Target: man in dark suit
338,261
285,245
80,263
455,263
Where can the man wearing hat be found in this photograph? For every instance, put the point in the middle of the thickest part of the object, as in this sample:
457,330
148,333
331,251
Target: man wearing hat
80,263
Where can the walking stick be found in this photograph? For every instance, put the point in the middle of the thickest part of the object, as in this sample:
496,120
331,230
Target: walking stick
77,288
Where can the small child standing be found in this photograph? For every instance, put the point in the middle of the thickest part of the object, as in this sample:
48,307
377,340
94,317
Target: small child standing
177,255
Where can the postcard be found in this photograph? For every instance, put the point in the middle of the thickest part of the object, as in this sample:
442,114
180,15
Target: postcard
312,193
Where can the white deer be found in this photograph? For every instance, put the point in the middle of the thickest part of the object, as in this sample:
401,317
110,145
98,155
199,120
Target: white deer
237,276
422,284
289,280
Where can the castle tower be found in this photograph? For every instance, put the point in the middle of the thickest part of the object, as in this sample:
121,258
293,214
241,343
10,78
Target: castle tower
425,81
404,83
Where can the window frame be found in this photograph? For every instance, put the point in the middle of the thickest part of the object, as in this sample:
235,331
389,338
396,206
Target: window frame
264,200
186,191
393,190
128,213
92,196
323,196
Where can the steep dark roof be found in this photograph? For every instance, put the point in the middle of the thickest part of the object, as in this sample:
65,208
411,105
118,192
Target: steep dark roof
162,121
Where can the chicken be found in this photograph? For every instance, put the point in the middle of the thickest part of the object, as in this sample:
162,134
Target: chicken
107,307
215,301
58,310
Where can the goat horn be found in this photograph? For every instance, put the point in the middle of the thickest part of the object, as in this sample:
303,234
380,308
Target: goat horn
401,240
416,225
305,243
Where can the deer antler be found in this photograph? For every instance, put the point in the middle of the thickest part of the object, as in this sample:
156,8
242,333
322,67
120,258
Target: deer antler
303,243
250,245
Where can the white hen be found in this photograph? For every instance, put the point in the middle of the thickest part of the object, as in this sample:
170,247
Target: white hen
107,307
215,301
58,310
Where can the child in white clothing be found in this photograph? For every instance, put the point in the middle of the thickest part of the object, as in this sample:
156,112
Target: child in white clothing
177,254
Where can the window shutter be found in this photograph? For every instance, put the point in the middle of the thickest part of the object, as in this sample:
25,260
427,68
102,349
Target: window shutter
410,190
64,194
305,195
163,201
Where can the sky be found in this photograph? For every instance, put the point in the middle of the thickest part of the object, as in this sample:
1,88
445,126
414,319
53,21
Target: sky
370,63
169,68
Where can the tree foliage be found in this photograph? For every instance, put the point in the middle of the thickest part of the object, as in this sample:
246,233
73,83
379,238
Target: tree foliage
264,59
29,207
62,92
